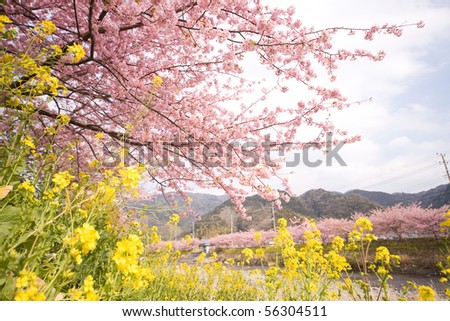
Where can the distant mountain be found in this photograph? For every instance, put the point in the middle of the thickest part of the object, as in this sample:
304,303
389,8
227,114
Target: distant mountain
436,197
158,210
218,215
224,219
315,204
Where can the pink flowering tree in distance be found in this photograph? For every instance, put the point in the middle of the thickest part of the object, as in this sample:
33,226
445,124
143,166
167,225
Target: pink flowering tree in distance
331,227
408,221
173,71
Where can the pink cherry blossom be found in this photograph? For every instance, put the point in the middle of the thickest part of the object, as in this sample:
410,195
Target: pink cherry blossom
197,50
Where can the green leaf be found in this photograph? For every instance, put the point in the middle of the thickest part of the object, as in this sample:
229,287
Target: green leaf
7,293
9,217
21,167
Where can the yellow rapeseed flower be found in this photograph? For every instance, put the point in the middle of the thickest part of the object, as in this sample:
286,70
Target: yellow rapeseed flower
337,244
76,255
426,293
127,254
155,238
94,163
446,224
62,119
99,136
130,177
77,51
363,224
174,219
157,81
62,179
258,237
26,285
4,19
187,239
88,289
382,255
259,253
87,236
46,27
27,186
248,254
28,141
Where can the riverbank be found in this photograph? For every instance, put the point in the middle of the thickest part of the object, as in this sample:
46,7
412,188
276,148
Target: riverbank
418,256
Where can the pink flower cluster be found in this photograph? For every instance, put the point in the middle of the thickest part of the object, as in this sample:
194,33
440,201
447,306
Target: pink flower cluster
155,70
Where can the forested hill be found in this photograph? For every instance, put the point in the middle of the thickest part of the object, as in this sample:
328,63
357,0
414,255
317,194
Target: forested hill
316,204
218,214
435,198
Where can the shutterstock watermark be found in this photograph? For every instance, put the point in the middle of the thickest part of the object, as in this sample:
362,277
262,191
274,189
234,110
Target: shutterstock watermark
191,152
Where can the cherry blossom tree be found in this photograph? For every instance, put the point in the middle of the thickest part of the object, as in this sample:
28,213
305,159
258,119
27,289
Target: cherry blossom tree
408,221
166,78
331,227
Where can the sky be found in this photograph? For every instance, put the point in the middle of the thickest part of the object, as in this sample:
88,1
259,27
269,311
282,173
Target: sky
407,120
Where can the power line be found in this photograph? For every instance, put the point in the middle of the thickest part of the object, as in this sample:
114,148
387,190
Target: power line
444,162
392,176
398,173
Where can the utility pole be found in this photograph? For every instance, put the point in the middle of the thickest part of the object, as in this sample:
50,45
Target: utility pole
273,218
444,162
231,223
193,229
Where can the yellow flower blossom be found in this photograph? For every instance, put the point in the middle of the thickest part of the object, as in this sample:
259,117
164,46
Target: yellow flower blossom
363,224
48,195
168,246
426,293
382,255
68,274
57,51
337,244
248,255
201,258
77,51
370,238
62,119
99,136
127,254
87,236
446,224
258,237
4,19
27,186
26,285
76,255
187,239
50,131
174,219
86,293
62,179
259,253
155,238
28,141
157,81
46,27
94,163
130,177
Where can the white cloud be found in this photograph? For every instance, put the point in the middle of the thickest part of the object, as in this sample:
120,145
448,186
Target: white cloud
399,142
396,126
